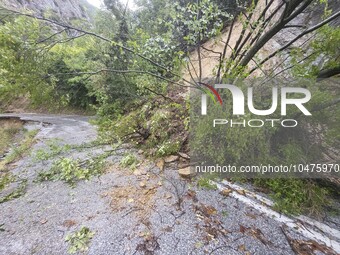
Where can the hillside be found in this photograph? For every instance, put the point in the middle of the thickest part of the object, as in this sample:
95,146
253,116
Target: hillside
213,48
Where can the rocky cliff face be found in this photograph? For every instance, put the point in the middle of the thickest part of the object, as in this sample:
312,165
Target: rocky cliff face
55,9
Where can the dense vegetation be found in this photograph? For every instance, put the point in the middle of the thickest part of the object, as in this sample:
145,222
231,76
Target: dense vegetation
127,67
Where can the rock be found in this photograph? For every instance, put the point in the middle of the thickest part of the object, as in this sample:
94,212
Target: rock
43,221
209,210
184,155
186,172
160,164
142,184
62,9
140,152
241,192
152,151
226,192
171,158
137,172
183,164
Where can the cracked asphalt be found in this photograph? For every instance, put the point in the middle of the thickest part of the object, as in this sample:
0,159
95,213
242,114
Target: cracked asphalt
168,215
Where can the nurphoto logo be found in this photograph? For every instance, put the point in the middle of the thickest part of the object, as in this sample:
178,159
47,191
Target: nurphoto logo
238,104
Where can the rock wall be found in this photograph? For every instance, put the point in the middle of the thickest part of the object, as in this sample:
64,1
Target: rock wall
56,9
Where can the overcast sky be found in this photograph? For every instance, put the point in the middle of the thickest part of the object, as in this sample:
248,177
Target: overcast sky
98,3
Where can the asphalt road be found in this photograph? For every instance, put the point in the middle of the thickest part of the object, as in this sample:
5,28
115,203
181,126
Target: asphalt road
162,215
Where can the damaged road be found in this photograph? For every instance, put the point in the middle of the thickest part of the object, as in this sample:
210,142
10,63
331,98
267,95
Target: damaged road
145,210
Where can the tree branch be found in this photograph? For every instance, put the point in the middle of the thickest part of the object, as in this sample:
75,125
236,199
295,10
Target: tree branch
101,38
288,15
125,72
326,73
225,51
307,31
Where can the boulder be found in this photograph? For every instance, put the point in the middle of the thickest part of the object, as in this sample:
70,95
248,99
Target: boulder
184,155
171,159
186,172
160,164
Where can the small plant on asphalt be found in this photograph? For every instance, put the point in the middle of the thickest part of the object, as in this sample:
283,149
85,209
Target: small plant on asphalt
53,150
79,241
224,213
205,182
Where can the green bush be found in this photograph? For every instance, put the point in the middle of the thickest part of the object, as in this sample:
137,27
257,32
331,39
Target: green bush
296,196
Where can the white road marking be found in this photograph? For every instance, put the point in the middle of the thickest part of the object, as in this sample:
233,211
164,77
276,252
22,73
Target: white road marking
264,205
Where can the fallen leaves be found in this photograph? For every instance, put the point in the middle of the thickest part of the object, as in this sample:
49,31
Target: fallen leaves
149,244
133,199
255,233
211,225
307,247
302,247
226,192
69,223
205,210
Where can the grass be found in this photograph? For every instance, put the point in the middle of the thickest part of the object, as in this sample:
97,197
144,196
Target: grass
204,181
18,192
8,131
5,179
21,150
296,196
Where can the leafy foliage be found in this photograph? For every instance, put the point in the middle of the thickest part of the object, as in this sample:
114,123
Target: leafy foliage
80,240
71,171
320,54
129,160
66,68
53,150
199,21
